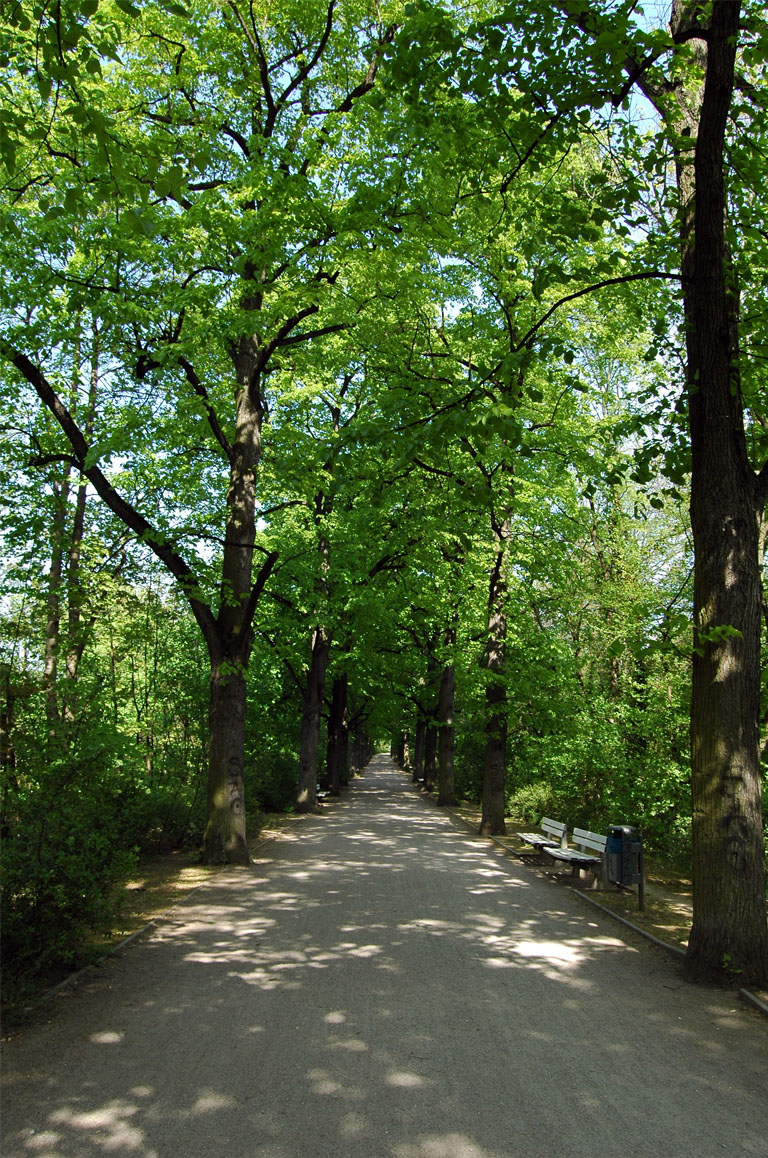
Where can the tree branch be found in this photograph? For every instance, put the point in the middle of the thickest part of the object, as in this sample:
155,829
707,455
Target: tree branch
367,83
256,46
308,334
202,393
40,460
590,289
127,514
304,72
286,663
264,572
436,470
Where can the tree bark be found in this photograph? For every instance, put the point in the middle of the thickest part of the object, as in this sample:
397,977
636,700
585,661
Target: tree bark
225,836
418,749
7,754
75,633
492,821
229,639
306,799
495,765
227,635
729,937
361,750
360,746
430,752
342,754
445,706
75,596
337,729
53,602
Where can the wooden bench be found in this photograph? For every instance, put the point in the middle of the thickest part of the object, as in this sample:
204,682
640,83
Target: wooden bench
552,835
588,855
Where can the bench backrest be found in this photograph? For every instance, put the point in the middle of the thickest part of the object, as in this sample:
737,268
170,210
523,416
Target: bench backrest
556,829
589,841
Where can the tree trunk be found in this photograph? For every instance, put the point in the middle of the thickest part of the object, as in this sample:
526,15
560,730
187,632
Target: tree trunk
228,634
53,603
495,766
342,754
229,642
360,750
75,633
306,799
7,754
446,782
492,822
430,750
729,937
418,749
75,639
336,752
225,838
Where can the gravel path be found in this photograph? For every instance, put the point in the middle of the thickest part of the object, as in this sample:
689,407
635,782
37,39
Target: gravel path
384,985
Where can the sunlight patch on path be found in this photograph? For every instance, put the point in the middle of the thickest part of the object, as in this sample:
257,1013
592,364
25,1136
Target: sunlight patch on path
441,1146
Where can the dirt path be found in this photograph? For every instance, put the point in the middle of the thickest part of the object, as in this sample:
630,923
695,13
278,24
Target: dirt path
384,985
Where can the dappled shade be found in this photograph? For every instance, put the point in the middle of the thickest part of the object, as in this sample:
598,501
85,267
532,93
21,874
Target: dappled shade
382,983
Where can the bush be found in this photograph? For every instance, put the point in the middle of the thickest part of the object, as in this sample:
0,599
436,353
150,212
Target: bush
78,804
469,764
531,802
61,859
271,778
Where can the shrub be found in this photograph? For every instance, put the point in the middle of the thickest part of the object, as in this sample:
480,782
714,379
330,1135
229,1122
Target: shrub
531,802
61,859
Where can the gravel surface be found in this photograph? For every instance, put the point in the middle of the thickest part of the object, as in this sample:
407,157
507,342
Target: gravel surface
381,983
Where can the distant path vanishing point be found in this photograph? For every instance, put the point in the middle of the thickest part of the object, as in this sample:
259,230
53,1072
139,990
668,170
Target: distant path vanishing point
383,985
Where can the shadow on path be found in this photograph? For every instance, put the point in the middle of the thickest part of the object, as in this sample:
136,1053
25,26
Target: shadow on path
380,984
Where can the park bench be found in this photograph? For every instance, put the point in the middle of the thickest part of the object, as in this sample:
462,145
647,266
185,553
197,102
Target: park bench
552,835
588,854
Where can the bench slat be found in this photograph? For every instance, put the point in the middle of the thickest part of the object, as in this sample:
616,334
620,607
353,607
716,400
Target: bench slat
586,839
552,834
578,857
535,838
573,855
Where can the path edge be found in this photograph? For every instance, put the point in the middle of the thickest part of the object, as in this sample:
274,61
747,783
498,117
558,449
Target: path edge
93,966
679,954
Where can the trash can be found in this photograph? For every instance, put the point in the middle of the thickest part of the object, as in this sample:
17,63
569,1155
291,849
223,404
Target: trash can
624,851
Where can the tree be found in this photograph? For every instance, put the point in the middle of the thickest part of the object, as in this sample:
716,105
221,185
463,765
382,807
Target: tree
727,500
730,931
236,133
